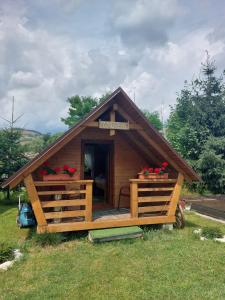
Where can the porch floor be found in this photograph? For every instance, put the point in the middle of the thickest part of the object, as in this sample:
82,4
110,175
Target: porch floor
111,214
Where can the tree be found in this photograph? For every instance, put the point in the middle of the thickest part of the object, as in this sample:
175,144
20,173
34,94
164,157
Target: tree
197,117
12,153
211,164
41,142
80,106
154,119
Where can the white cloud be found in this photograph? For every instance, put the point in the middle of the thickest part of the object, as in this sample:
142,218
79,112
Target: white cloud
144,22
138,47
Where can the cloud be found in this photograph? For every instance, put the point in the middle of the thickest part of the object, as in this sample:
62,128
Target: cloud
140,47
142,23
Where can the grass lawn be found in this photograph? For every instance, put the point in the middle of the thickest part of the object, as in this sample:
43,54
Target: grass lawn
164,265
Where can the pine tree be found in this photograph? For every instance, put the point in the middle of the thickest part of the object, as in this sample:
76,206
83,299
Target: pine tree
12,153
199,115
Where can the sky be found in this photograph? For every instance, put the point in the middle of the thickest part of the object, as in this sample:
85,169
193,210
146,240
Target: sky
52,50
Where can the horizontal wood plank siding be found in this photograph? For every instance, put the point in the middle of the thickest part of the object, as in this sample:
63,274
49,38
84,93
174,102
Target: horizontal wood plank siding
127,161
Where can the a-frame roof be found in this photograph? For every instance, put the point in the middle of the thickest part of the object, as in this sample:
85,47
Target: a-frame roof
149,133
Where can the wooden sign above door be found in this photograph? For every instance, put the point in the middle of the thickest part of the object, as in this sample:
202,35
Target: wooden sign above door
114,125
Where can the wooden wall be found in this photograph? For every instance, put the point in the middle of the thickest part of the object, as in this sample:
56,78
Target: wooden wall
127,162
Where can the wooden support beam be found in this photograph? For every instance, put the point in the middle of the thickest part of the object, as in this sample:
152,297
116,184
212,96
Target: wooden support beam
72,226
61,192
175,195
88,216
146,209
134,200
61,182
64,214
35,202
165,189
115,106
154,199
112,119
62,203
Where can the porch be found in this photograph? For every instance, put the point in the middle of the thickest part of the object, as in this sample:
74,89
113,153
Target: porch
68,205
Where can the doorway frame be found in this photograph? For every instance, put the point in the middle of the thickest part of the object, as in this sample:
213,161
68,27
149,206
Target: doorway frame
111,185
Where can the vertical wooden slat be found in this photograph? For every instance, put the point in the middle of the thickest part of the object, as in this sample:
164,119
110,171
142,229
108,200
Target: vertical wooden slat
112,119
175,195
88,207
134,199
35,201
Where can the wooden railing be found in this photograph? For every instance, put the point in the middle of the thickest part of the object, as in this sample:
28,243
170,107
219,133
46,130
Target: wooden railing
151,197
60,201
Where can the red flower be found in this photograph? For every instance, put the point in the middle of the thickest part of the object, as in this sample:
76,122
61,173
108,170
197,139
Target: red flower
150,170
157,170
72,170
43,172
163,169
46,163
65,167
57,169
165,164
145,169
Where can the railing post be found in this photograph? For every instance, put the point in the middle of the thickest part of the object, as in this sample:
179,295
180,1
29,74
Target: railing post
88,207
175,195
35,202
134,199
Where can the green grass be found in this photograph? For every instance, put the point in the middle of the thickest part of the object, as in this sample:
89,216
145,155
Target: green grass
163,265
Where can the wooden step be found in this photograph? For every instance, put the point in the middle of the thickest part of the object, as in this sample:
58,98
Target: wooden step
112,234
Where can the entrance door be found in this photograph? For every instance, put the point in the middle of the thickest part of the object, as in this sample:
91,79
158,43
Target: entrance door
97,161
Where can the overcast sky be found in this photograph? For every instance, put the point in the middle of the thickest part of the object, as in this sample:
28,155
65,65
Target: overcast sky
51,50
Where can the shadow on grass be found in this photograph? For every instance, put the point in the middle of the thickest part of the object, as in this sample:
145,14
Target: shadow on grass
53,239
7,204
190,224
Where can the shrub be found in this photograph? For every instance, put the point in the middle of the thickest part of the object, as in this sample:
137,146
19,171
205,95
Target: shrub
48,239
212,232
6,252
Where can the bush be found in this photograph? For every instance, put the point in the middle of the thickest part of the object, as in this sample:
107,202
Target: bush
48,239
6,252
212,232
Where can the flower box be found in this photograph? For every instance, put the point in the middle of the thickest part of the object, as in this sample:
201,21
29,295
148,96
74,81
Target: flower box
58,177
153,176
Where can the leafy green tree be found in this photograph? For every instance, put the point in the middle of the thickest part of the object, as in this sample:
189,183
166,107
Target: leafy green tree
153,118
12,153
199,115
80,106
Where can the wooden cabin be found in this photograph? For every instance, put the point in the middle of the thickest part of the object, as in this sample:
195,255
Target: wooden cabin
109,147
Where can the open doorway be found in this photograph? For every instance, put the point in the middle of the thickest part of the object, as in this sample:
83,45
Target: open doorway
97,165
